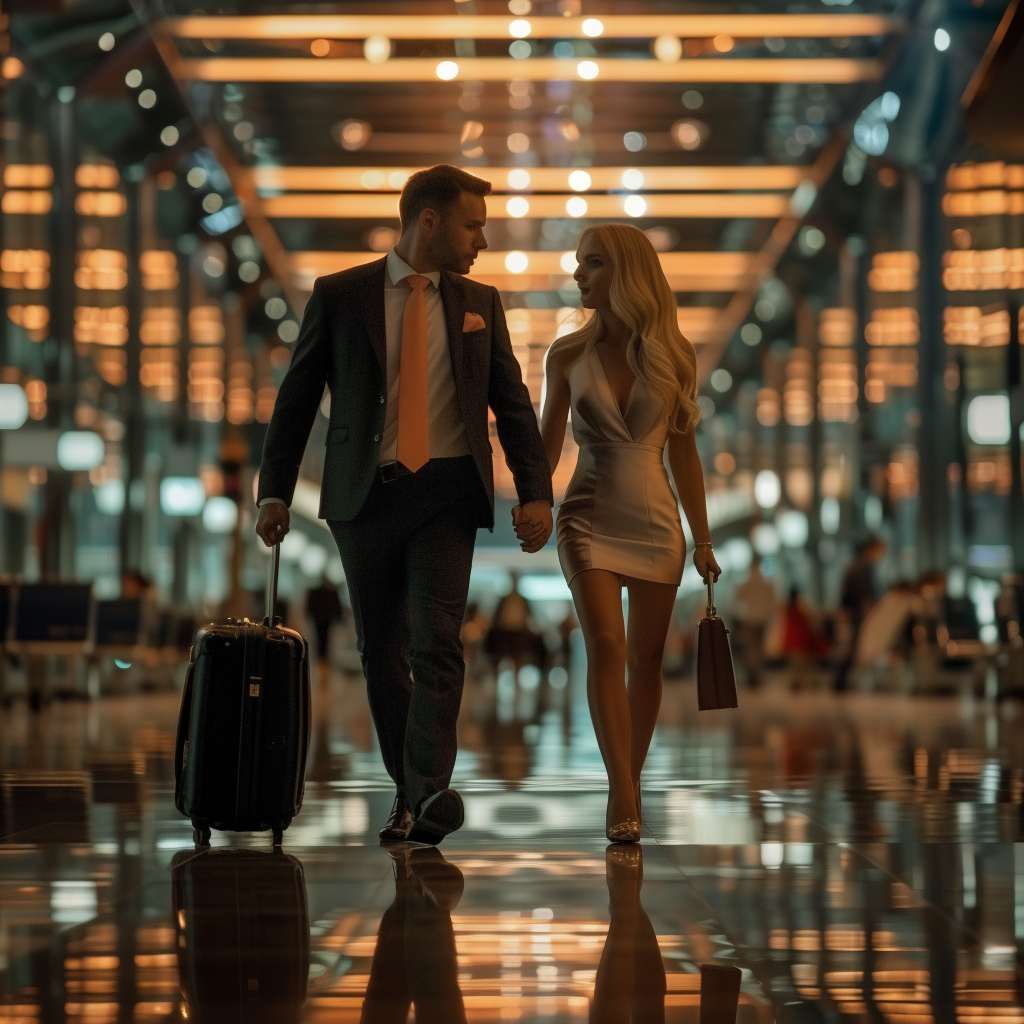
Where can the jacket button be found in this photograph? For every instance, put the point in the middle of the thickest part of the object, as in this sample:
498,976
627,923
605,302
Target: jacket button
376,437
381,399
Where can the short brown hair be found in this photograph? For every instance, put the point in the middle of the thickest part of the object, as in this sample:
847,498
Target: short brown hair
437,188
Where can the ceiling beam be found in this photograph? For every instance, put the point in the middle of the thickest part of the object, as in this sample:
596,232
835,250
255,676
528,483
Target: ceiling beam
325,205
743,26
825,71
540,179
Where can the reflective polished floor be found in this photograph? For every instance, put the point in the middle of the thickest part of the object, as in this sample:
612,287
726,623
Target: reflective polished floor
822,858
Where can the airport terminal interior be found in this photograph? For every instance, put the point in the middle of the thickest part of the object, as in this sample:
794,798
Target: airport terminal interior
835,192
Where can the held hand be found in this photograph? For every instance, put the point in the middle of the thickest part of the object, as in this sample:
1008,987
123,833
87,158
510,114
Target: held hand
533,524
272,523
704,560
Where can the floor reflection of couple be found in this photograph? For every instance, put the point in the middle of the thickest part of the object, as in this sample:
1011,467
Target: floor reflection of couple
415,962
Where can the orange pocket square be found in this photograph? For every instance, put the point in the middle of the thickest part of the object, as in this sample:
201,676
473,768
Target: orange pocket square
473,322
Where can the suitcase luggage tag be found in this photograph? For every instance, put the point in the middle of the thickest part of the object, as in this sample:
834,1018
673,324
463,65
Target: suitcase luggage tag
716,677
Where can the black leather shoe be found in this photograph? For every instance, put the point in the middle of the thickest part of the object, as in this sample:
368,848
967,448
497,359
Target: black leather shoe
396,828
439,815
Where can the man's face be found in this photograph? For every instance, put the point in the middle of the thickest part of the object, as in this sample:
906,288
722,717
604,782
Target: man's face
459,235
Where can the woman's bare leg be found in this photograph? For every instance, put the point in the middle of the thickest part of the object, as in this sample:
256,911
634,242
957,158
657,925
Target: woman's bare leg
597,595
650,614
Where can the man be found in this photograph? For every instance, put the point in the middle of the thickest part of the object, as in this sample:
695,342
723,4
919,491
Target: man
857,598
413,355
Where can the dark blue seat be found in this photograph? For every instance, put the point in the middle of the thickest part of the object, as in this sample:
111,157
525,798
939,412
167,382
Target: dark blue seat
53,613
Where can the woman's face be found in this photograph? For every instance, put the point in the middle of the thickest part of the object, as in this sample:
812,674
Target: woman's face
594,274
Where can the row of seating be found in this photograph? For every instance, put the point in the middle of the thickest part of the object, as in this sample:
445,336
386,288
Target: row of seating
43,621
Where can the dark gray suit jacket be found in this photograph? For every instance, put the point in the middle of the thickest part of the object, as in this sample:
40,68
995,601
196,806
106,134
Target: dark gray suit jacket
342,344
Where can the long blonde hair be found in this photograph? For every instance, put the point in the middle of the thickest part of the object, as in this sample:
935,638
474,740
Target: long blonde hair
641,297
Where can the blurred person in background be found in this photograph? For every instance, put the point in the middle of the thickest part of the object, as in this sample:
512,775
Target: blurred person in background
802,644
858,597
756,607
512,633
323,607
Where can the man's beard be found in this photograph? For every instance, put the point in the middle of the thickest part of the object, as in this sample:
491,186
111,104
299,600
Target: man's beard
444,253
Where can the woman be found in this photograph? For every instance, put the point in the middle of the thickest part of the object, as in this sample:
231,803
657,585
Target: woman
629,379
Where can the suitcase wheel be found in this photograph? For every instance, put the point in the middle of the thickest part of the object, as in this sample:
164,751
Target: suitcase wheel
201,836
278,837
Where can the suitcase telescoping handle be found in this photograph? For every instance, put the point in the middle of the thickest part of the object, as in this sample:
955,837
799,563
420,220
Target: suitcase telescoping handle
272,570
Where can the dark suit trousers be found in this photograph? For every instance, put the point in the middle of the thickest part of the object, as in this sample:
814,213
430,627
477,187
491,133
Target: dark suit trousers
407,558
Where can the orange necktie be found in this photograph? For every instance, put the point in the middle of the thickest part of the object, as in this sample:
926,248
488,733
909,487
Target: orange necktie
413,412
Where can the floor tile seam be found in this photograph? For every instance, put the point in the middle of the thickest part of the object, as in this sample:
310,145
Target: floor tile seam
925,903
745,958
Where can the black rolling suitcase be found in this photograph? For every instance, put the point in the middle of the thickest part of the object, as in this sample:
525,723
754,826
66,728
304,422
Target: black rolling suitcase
243,935
243,729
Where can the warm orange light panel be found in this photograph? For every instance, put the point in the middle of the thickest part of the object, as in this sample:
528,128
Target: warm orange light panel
686,271
542,179
836,71
604,207
497,26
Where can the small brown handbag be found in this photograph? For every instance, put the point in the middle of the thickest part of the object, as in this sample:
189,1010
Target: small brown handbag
716,678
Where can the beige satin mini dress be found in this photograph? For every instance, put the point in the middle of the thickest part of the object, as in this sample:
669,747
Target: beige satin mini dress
619,512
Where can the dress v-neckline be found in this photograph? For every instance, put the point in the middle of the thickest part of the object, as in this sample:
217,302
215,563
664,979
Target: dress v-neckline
611,394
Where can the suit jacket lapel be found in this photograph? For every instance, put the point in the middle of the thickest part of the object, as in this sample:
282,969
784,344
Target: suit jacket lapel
453,298
371,294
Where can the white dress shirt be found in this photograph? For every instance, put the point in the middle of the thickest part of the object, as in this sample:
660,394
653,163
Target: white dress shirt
447,431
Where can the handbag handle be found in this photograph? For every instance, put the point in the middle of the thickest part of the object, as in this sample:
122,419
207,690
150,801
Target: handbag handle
711,611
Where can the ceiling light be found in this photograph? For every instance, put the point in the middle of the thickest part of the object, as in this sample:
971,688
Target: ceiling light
942,40
220,515
80,450
518,142
13,406
169,136
576,206
721,380
587,69
182,495
632,179
579,181
830,515
517,206
447,70
793,528
377,49
371,179
107,41
519,29
196,177
634,141
692,99
724,43
765,539
988,419
635,206
320,47
568,263
592,27
667,48
516,262
767,489
133,79
518,177
147,99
